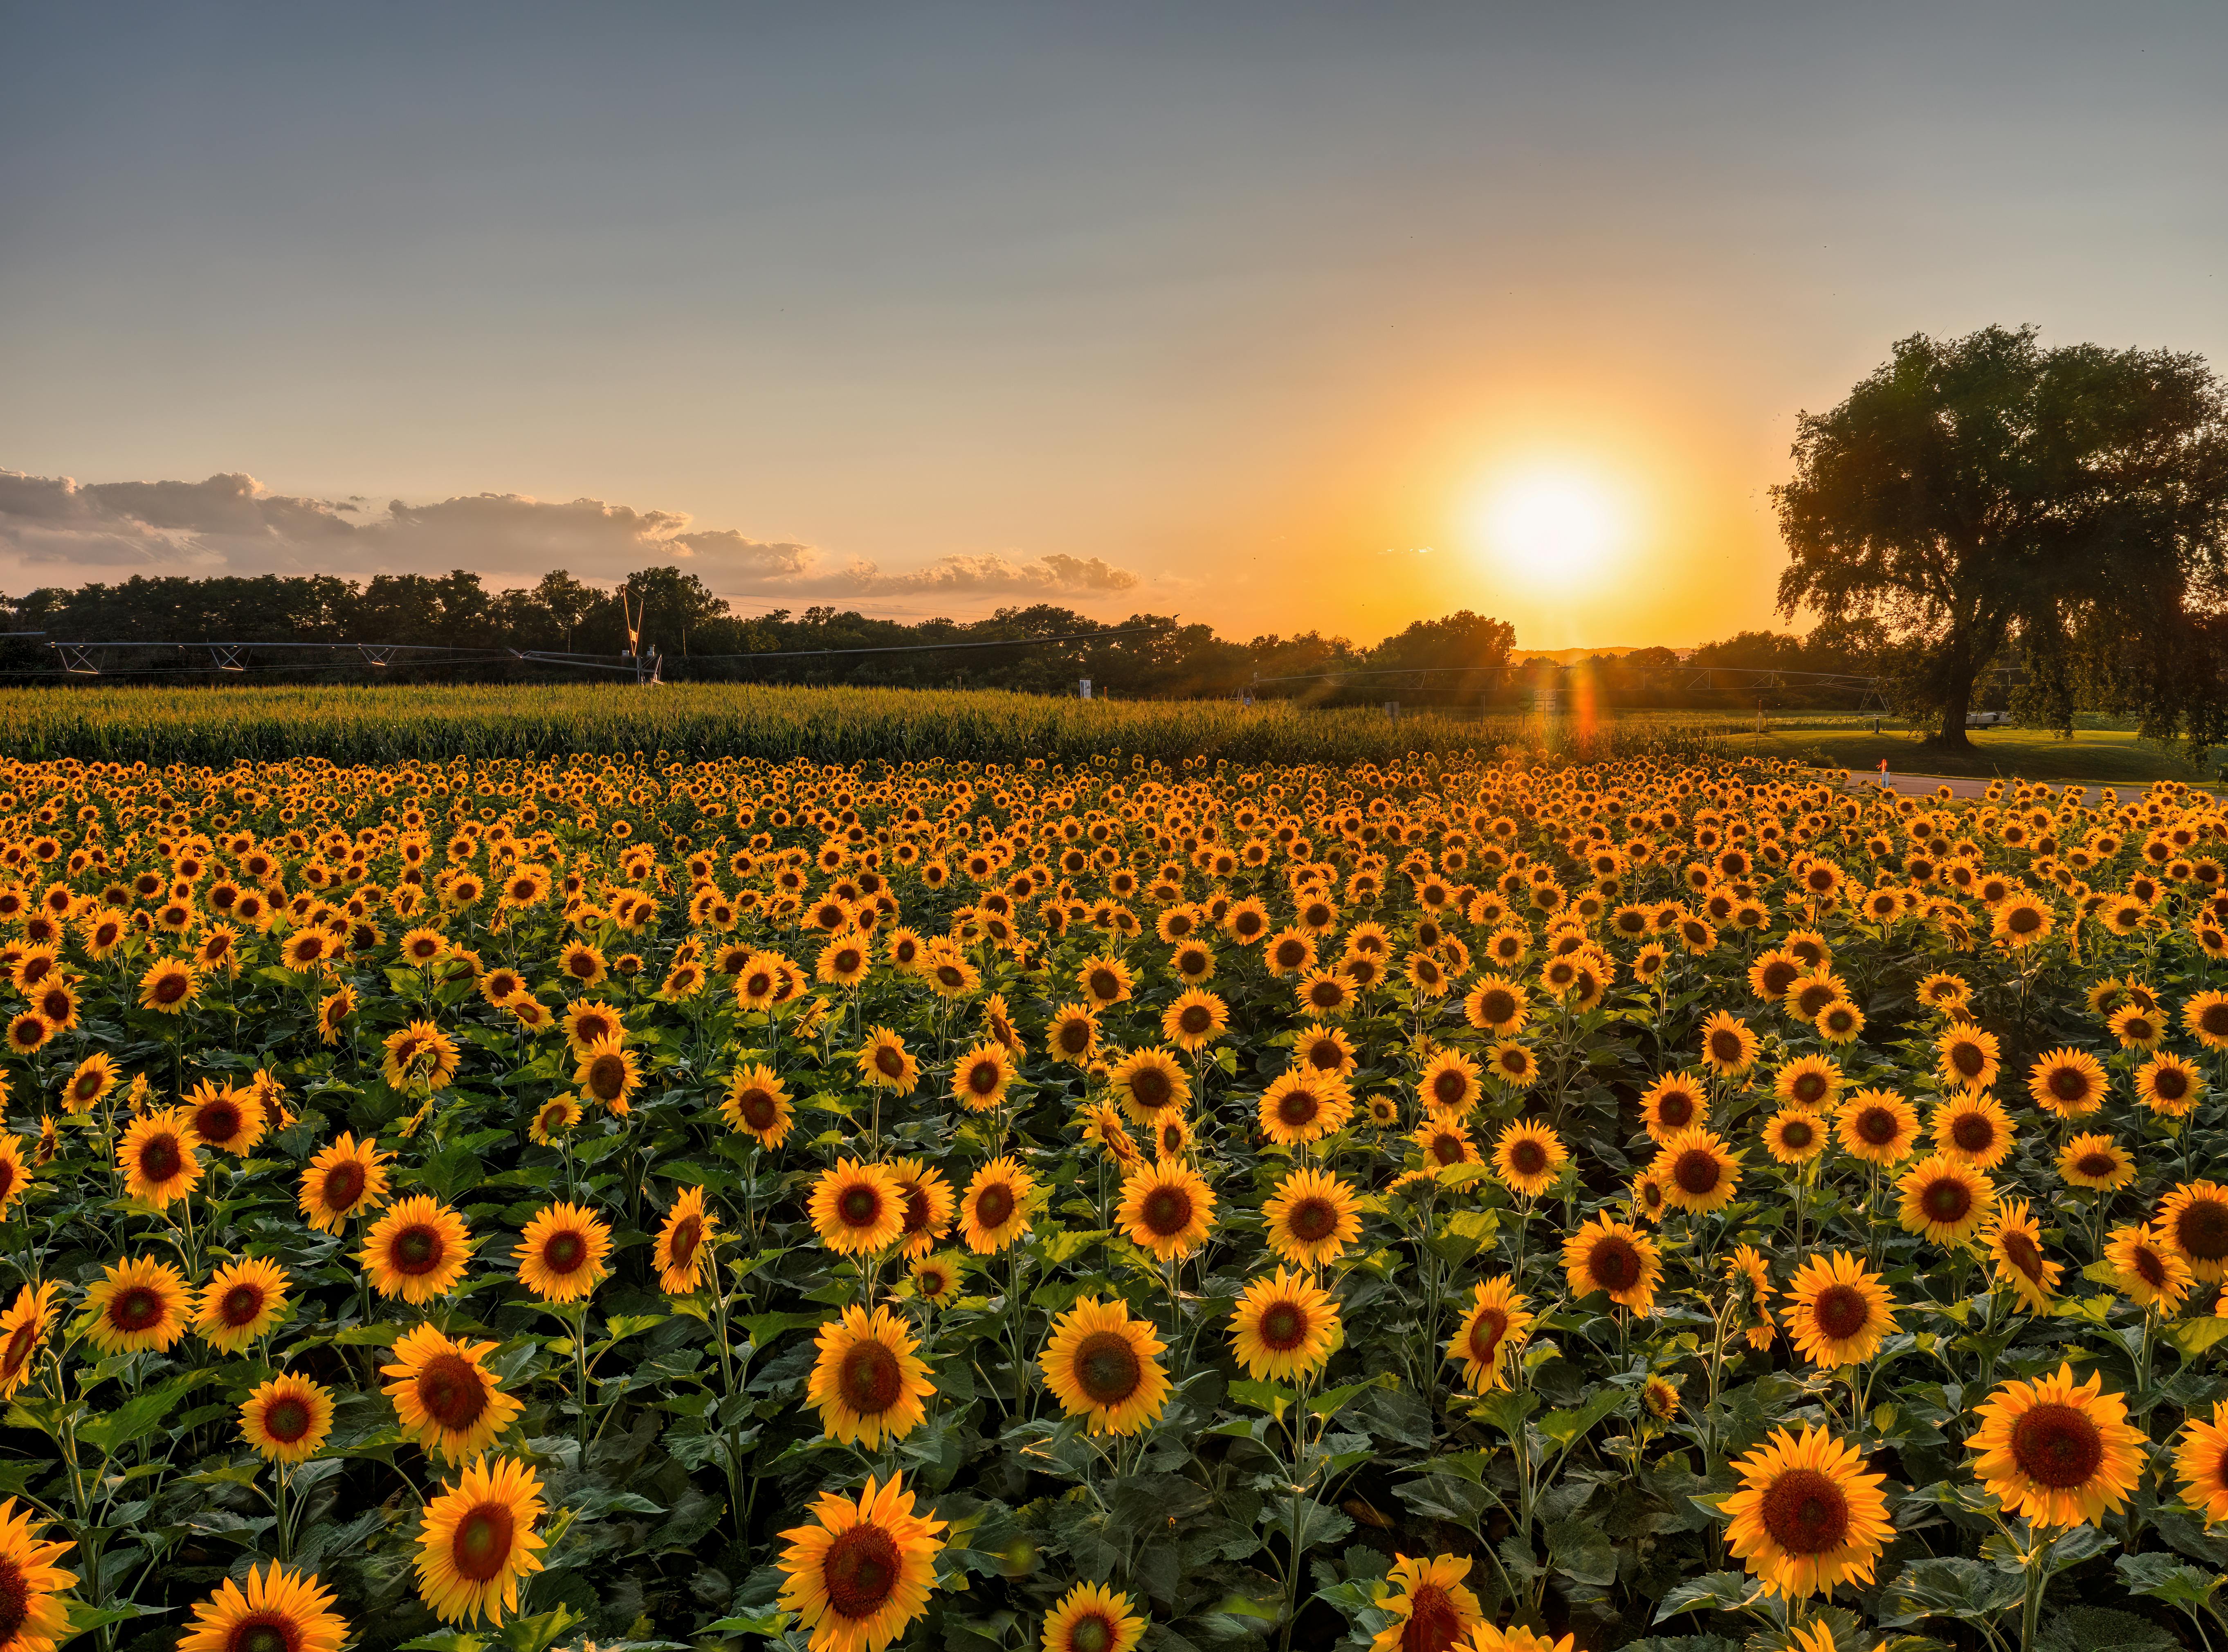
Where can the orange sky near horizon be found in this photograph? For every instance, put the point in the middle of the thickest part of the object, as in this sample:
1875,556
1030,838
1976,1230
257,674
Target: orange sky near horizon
1253,313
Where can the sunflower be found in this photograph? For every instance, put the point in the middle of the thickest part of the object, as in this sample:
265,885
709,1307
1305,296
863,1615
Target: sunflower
417,1251
1878,1126
2150,1271
1746,1266
1105,982
1811,1081
333,1011
684,1243
419,1055
1496,1324
1837,1313
158,1158
2205,1017
2169,1085
1699,1172
15,1178
1659,1397
928,1205
139,1303
1445,1142
2201,1462
560,1255
1072,1034
1945,1199
1430,1607
883,1062
1840,1022
1166,1209
1194,1019
229,1120
1328,995
1607,1256
1974,1127
757,1105
241,1301
88,1085
287,1418
344,1180
2058,1451
1311,1218
586,1024
1527,1157
1497,1005
1324,1049
1091,1617
23,1330
1284,1327
1966,1057
2022,921
936,1278
1728,1046
1675,1102
553,1120
170,986
1807,1517
608,1073
857,1208
2068,1083
1449,1083
1148,1080
36,1617
2193,1220
1302,1107
863,1571
582,964
868,1381
993,1212
2136,1028
2014,1246
478,1542
1513,1065
1794,1135
1102,1366
2095,1160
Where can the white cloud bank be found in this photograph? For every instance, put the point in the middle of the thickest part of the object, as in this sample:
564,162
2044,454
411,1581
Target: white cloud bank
57,531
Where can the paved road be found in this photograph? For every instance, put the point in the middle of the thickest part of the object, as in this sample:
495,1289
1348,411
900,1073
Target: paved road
1918,786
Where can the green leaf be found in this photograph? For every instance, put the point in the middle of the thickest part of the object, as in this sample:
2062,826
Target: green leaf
2101,1629
1567,1427
1507,1409
763,1328
1950,1588
2191,1337
2164,1578
138,1418
1718,1591
376,1335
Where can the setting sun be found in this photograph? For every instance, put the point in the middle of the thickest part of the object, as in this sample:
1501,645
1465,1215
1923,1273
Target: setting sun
1553,525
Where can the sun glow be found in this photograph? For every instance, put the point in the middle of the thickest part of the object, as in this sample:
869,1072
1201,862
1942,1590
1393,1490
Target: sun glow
1556,526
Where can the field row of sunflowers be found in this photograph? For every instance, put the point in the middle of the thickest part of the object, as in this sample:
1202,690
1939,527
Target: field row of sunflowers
650,1203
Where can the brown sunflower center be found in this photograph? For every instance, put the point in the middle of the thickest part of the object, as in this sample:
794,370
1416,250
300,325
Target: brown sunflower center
1878,1126
2021,1253
1968,1059
1296,1107
2069,1084
1167,1211
1697,1172
1312,1220
871,1378
1842,1311
1150,1087
1107,1369
2148,1268
2057,1445
2100,1166
1805,1512
417,1249
994,1205
1074,1037
1285,1327
757,1108
1092,1633
1674,1110
563,1251
1527,1157
1434,1625
453,1390
681,1245
1323,1055
264,1631
861,1570
984,1078
239,1305
481,1546
1972,1133
1485,1334
135,1308
343,1184
1796,1134
861,1206
607,1077
286,1420
161,1157
1614,1262
1195,1020
1946,1201
2170,1084
2201,1229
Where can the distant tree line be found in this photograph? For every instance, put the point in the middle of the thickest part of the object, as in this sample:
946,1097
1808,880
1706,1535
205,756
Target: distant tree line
1460,659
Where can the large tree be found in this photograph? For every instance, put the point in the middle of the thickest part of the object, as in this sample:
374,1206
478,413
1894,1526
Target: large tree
1987,501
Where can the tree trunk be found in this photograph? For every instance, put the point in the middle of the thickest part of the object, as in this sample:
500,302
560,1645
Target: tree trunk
1955,705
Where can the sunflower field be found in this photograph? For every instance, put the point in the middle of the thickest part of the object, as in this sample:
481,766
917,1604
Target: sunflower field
1432,1203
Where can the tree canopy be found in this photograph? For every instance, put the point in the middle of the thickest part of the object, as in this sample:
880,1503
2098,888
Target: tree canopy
1985,502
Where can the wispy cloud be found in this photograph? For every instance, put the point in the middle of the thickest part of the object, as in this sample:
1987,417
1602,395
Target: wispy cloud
56,531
